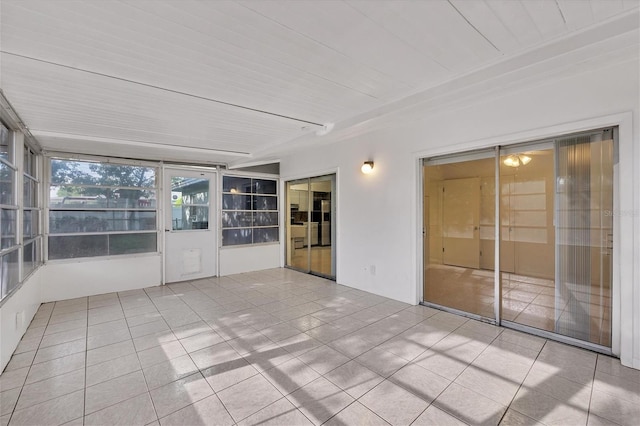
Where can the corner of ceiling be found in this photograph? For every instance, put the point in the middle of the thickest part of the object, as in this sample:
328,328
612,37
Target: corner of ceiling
515,69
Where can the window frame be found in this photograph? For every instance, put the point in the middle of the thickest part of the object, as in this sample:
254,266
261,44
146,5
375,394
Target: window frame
14,162
253,210
36,238
156,188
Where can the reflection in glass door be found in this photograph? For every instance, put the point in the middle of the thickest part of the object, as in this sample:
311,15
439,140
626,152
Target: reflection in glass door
321,202
459,194
556,235
527,203
297,229
561,230
311,225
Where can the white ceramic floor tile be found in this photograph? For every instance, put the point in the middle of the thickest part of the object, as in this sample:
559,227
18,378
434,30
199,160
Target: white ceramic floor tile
489,384
299,344
420,382
111,369
249,397
162,353
50,388
8,399
281,412
356,414
291,375
435,416
227,373
148,328
249,343
57,318
109,352
63,337
212,356
594,420
13,379
617,386
65,326
270,317
469,406
393,403
116,390
548,383
208,411
131,412
354,378
448,367
59,351
324,359
52,412
267,357
320,400
179,394
513,417
153,340
613,409
28,345
200,341
55,367
142,315
169,371
108,338
351,345
548,410
382,362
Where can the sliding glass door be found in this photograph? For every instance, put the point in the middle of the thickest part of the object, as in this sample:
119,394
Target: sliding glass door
561,234
527,176
584,237
458,213
556,235
310,226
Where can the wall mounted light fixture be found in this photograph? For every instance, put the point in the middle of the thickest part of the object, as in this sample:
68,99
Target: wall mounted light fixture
367,167
517,160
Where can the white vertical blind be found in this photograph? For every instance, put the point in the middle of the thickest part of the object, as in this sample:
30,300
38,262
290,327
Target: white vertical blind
584,202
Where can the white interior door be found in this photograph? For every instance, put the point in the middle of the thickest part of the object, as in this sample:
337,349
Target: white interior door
461,217
190,225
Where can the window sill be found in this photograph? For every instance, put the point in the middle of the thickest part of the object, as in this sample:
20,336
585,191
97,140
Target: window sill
99,258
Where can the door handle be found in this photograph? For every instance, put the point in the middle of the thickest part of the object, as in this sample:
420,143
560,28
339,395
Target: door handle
167,230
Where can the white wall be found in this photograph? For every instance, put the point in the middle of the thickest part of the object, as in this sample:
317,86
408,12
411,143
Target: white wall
69,279
378,214
16,313
236,260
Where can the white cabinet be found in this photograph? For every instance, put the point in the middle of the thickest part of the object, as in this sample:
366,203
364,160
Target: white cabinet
326,233
299,234
294,198
299,198
303,201
314,233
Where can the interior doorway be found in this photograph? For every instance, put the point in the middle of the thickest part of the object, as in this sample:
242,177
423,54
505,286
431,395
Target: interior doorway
310,225
555,233
190,230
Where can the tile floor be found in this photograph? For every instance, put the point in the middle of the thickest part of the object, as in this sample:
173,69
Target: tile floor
280,347
526,300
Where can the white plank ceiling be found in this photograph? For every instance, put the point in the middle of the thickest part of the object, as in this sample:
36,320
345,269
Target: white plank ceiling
227,79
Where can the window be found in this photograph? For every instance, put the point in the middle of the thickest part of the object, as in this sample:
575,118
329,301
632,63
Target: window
9,248
189,203
249,210
31,233
101,209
